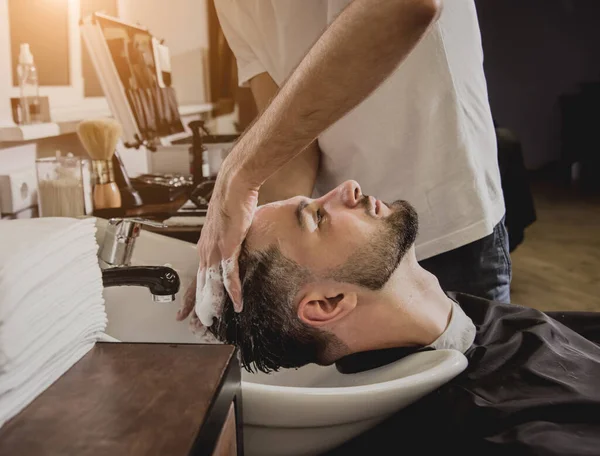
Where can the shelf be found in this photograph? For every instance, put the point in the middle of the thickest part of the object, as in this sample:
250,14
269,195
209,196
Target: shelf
190,110
67,124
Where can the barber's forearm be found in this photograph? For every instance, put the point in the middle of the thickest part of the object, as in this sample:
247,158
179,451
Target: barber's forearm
359,50
296,177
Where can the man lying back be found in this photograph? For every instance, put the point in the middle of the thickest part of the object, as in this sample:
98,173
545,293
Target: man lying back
335,279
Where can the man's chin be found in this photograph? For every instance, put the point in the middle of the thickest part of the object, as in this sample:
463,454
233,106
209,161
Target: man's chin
402,205
405,221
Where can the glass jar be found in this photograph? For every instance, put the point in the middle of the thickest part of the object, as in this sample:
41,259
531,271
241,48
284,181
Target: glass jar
62,186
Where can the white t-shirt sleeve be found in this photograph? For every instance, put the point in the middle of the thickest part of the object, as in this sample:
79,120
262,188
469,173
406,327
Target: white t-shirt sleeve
235,23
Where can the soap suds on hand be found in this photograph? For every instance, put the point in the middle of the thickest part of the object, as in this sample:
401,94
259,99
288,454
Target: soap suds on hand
229,267
201,332
209,295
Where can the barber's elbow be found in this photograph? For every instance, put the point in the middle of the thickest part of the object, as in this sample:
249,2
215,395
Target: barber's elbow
425,12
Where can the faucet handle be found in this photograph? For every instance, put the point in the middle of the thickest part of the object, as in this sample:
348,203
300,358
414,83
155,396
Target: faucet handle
137,221
130,227
120,237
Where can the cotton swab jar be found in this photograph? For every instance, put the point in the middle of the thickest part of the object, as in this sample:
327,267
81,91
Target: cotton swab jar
61,187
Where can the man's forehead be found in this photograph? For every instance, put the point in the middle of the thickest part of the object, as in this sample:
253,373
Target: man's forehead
270,222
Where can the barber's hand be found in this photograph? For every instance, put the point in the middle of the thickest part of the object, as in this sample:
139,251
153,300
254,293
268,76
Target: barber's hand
230,212
189,302
201,332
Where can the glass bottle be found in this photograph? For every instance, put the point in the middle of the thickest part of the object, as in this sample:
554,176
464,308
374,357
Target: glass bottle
28,87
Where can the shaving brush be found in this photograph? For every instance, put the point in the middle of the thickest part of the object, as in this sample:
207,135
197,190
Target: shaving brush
99,137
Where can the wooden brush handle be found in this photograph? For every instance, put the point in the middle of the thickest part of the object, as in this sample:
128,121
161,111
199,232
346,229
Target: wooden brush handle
107,196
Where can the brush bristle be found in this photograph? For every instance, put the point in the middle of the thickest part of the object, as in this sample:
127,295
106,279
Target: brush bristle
99,137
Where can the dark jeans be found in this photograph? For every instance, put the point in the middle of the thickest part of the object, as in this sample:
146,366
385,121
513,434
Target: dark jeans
481,268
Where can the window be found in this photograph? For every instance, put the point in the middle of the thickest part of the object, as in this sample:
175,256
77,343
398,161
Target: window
66,73
44,24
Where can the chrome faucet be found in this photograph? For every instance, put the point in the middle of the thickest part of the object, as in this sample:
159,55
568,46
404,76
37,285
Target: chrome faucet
119,239
115,261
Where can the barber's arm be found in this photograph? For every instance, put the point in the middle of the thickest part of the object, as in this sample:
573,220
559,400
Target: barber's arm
297,177
357,52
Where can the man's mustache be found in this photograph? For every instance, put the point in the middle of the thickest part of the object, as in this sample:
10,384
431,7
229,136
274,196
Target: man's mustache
365,202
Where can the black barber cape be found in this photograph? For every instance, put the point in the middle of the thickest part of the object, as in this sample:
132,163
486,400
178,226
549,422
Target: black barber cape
532,387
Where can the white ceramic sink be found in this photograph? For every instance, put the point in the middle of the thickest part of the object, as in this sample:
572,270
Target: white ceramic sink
132,314
292,412
314,409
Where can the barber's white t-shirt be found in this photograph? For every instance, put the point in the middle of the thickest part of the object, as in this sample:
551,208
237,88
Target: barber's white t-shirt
425,135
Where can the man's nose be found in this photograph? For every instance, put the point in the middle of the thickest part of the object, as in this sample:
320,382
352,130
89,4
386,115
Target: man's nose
350,193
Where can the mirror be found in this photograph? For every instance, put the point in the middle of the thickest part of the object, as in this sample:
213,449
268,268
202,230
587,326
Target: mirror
154,104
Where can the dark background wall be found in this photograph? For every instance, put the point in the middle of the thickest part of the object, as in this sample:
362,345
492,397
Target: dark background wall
536,50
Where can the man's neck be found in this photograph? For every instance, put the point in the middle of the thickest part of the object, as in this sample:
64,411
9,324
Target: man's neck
417,294
411,310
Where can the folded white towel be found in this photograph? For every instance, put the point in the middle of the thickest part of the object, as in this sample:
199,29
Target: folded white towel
56,338
47,256
11,404
51,302
27,367
39,234
51,305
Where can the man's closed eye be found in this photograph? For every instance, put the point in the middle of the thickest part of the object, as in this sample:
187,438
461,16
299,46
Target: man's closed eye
318,217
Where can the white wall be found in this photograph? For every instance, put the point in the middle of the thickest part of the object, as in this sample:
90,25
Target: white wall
183,24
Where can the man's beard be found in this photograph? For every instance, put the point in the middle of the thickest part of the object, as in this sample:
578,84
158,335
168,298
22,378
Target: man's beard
374,263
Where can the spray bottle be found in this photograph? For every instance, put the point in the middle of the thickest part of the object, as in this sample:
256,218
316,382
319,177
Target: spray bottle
28,86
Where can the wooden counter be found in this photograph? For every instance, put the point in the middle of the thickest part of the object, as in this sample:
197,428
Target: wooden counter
136,399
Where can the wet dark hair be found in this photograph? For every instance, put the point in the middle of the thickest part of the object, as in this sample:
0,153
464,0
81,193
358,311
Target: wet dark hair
268,333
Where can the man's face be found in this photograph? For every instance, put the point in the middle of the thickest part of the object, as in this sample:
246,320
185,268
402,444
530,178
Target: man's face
343,235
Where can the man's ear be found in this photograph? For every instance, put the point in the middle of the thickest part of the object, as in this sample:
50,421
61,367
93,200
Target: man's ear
322,306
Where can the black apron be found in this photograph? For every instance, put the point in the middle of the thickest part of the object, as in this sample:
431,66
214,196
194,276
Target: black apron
532,387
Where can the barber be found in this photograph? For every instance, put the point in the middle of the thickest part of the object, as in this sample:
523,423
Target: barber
391,93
